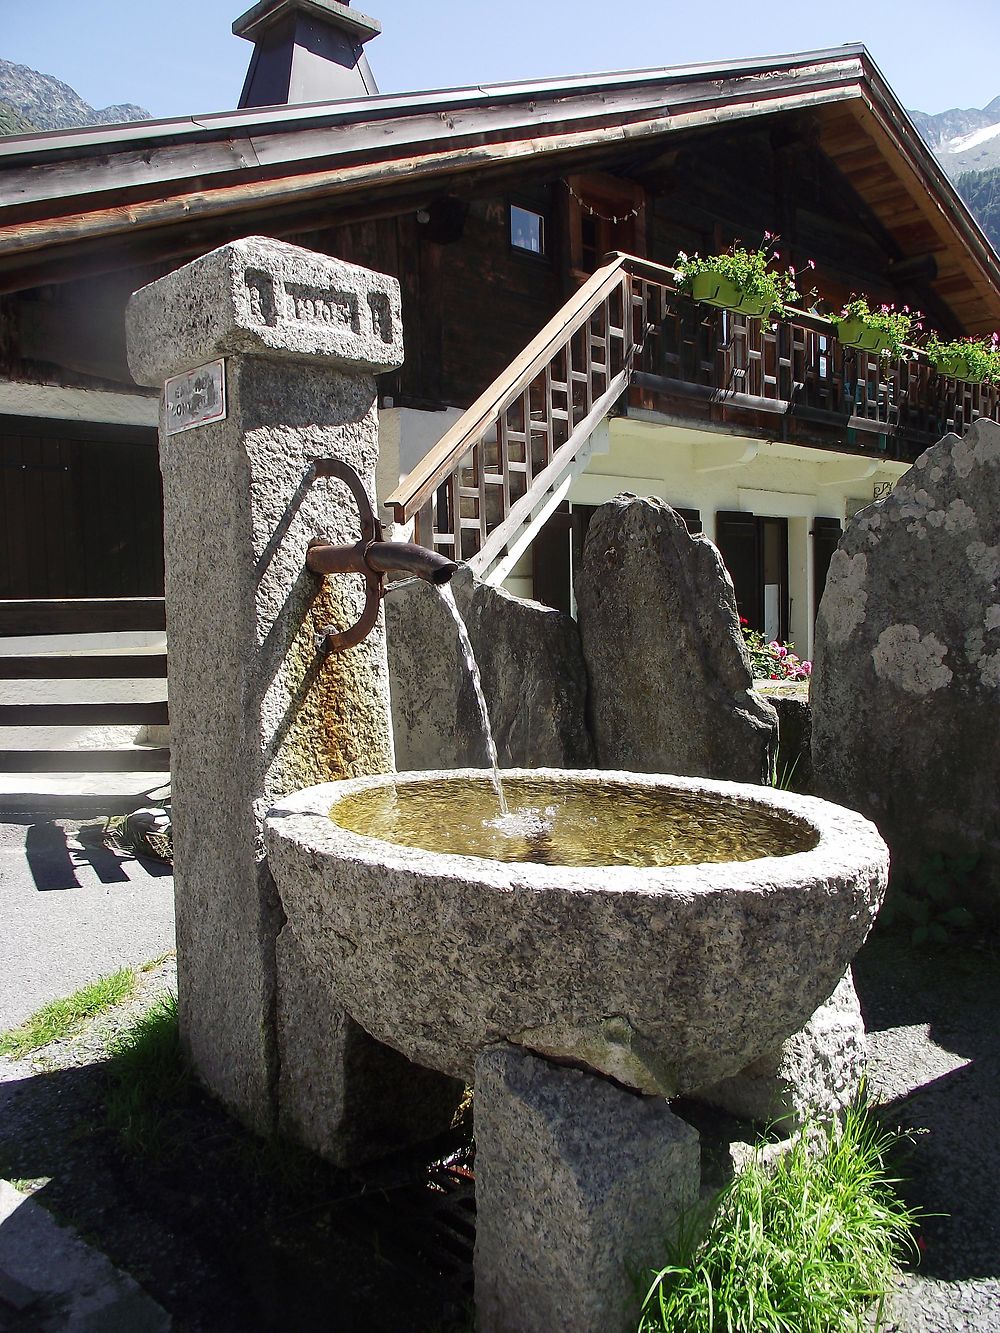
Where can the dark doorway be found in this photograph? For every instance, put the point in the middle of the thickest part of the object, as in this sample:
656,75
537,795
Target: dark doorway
81,510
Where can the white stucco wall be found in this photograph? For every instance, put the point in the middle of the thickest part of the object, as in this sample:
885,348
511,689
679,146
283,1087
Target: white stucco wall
693,469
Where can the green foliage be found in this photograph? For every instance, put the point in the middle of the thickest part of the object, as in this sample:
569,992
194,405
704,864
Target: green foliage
782,776
63,1017
897,326
804,1246
752,271
148,1079
982,355
930,905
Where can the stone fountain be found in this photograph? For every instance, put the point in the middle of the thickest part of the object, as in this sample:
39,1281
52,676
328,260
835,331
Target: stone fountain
343,988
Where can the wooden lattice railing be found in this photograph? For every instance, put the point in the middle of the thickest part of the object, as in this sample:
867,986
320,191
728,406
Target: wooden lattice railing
484,489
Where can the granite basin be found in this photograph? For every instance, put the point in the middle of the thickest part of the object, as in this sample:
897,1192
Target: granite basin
666,978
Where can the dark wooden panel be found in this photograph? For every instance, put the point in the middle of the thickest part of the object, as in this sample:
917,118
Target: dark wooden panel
83,715
64,666
85,761
86,615
826,534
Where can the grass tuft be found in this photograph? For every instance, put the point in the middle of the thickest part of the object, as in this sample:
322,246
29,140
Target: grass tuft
148,1078
806,1245
63,1017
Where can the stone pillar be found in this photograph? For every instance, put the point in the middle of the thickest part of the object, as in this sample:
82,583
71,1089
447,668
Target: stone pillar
578,1184
256,708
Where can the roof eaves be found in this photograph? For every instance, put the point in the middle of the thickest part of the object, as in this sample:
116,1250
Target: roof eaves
262,120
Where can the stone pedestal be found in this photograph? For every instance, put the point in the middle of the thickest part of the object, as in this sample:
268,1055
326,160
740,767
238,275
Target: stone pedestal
578,1183
256,708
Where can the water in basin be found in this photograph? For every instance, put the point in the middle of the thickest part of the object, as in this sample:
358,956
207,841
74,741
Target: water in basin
562,822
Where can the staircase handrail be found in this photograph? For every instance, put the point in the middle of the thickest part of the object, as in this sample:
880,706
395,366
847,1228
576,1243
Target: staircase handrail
420,484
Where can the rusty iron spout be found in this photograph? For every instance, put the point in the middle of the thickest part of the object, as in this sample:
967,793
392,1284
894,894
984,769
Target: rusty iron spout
376,558
371,557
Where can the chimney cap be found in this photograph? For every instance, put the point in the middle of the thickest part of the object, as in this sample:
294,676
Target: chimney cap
256,20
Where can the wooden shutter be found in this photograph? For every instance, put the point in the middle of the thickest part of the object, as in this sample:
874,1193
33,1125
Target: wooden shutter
692,517
826,534
736,538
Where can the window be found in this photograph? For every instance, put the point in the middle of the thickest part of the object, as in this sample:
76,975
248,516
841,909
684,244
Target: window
527,230
606,213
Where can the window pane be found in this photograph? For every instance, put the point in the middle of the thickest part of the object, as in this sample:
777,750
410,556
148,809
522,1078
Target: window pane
527,230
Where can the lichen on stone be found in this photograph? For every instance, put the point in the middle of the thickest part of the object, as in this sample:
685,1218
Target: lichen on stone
913,662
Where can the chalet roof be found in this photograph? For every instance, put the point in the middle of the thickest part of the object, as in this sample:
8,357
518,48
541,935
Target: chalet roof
101,198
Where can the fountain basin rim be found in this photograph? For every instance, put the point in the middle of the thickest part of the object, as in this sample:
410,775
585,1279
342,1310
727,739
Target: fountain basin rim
304,817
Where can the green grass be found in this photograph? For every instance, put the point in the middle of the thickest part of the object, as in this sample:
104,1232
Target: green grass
807,1245
62,1017
147,1079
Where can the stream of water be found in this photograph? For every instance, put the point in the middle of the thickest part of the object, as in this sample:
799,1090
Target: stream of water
448,597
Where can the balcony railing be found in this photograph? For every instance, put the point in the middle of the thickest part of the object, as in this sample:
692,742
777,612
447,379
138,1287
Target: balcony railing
628,339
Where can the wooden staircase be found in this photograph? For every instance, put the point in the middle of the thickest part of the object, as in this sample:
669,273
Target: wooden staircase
486,488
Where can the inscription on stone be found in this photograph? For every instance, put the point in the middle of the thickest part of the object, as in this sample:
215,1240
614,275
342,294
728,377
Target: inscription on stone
263,306
378,303
196,397
319,305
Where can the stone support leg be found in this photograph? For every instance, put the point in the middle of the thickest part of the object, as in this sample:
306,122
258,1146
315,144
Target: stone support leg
257,710
578,1183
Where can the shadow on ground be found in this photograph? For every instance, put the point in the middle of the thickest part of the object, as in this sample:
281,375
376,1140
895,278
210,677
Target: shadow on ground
55,853
935,1063
228,1234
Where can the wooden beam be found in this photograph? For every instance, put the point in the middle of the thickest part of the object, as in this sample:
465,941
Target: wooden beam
85,615
70,666
85,761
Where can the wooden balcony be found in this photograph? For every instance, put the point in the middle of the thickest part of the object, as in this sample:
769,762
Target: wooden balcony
628,341
795,381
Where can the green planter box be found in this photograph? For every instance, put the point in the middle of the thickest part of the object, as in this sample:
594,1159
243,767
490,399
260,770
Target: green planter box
957,367
715,290
856,333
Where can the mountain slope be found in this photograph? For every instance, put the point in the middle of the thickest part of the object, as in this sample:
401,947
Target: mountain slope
981,191
963,140
46,103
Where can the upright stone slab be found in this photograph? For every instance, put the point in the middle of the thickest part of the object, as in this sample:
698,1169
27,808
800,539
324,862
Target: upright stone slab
256,708
906,679
578,1185
534,680
671,689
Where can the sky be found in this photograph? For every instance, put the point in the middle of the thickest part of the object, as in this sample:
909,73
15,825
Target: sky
179,57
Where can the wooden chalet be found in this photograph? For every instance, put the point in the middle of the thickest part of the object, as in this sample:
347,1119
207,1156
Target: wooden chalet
542,377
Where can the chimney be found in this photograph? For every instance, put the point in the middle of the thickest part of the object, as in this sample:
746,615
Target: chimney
306,51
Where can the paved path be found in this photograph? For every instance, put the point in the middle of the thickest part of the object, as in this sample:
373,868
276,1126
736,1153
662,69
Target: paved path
71,911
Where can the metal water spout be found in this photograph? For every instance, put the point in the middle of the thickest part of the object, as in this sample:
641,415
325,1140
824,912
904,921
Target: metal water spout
371,556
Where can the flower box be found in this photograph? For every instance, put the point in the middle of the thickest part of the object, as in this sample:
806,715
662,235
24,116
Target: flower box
957,367
714,289
856,333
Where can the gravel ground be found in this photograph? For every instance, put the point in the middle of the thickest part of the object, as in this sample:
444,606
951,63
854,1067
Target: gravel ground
225,1240
935,1063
